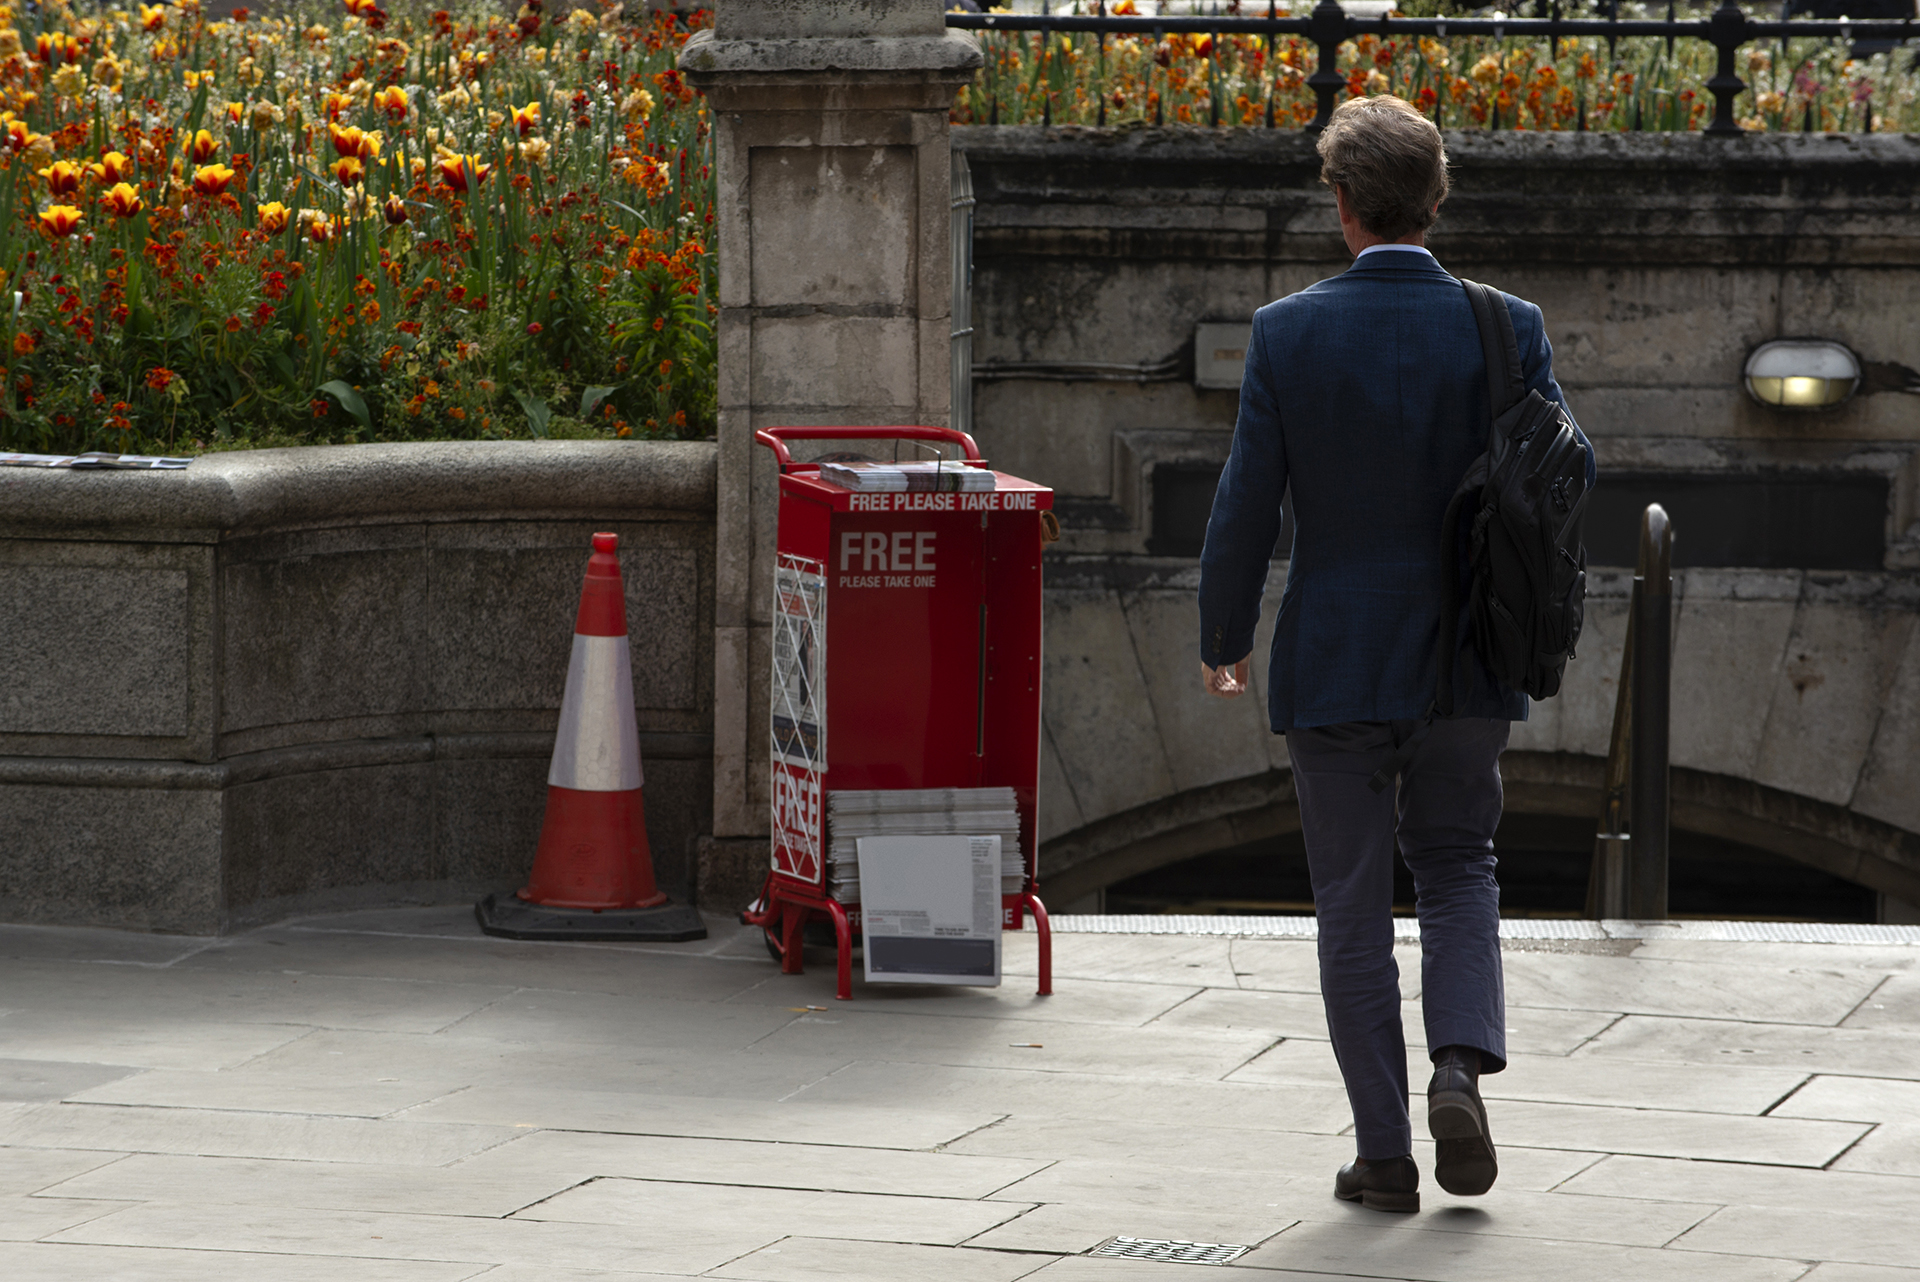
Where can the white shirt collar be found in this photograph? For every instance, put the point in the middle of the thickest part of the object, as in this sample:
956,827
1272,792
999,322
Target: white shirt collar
1375,249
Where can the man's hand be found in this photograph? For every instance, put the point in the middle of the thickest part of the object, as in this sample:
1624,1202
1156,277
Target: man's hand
1227,684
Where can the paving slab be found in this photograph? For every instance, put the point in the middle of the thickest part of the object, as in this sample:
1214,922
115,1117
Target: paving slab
1426,1255
1005,1043
1745,1184
345,1095
445,1063
1655,1132
1040,1095
22,1219
1842,1272
480,959
213,1133
812,1259
1179,960
489,1190
799,1121
58,1262
1889,1150
131,1038
468,1239
1849,1051
74,990
1708,990
1074,1000
565,1158
1884,959
38,1080
665,1207
1854,1099
1293,965
1894,1004
29,1170
78,943
1824,1233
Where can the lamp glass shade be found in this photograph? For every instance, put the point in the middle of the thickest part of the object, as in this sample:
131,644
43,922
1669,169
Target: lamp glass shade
1802,373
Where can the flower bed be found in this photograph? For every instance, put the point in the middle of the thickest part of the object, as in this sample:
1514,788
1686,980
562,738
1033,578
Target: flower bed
1464,82
370,224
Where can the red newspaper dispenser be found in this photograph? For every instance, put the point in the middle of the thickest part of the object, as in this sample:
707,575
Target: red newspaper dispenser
906,655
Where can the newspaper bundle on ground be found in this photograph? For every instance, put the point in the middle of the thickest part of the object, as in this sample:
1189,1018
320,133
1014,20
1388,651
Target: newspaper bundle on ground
912,812
932,912
89,462
883,478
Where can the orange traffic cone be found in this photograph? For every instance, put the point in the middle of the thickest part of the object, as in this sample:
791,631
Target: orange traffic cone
593,872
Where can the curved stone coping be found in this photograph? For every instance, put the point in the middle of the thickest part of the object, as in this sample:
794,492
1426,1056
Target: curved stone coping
1739,932
301,759
344,484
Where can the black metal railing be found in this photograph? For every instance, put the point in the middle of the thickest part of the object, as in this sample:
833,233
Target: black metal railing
1629,876
1329,26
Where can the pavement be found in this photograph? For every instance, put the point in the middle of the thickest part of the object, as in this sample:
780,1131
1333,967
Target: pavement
392,1097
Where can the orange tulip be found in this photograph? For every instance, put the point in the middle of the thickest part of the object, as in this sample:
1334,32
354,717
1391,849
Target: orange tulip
19,137
153,16
396,211
273,216
114,167
63,177
354,141
526,119
236,111
211,180
60,220
202,147
463,172
362,7
52,47
349,170
123,200
336,103
393,101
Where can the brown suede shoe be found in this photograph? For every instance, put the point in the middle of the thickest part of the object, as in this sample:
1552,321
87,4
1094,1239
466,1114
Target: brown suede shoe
1389,1184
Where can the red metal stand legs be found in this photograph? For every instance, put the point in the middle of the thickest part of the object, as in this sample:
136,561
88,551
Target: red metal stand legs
1039,911
843,946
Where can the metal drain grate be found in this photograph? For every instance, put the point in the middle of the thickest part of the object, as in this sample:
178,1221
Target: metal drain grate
1172,1250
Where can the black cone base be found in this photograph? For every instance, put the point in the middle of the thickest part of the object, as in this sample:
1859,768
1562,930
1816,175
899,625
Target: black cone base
514,918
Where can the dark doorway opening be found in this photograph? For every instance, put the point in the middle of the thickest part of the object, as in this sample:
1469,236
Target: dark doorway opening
1544,861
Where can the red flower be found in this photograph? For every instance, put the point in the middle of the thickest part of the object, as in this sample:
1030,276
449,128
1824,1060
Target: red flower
535,327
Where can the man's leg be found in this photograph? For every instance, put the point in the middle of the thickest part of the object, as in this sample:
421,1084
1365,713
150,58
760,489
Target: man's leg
1450,800
1348,829
1449,804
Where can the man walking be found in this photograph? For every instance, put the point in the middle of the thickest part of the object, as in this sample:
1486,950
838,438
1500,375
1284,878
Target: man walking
1366,397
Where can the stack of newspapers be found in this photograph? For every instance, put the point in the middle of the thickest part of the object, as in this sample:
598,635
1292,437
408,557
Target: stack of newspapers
917,812
913,478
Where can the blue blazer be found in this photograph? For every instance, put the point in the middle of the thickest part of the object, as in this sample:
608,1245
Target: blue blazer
1366,395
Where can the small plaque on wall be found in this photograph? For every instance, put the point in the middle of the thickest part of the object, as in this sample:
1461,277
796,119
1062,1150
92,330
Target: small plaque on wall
1220,353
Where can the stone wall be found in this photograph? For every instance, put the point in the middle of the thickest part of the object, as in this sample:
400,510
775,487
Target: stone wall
293,679
1659,260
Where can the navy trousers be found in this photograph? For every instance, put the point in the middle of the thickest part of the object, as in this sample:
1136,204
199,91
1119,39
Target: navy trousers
1442,818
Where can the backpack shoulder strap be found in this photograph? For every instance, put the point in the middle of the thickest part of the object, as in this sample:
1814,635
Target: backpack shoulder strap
1505,387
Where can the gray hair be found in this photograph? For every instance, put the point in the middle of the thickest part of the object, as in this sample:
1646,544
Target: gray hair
1391,162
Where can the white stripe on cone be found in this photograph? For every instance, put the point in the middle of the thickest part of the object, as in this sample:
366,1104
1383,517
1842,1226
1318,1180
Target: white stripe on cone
598,748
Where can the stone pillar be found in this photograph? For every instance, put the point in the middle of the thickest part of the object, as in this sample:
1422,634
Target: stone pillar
831,152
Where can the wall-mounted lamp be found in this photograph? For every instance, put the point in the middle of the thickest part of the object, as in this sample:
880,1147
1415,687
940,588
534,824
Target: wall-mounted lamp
1802,373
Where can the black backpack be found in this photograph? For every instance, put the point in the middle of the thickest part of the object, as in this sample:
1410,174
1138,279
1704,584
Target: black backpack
1527,495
